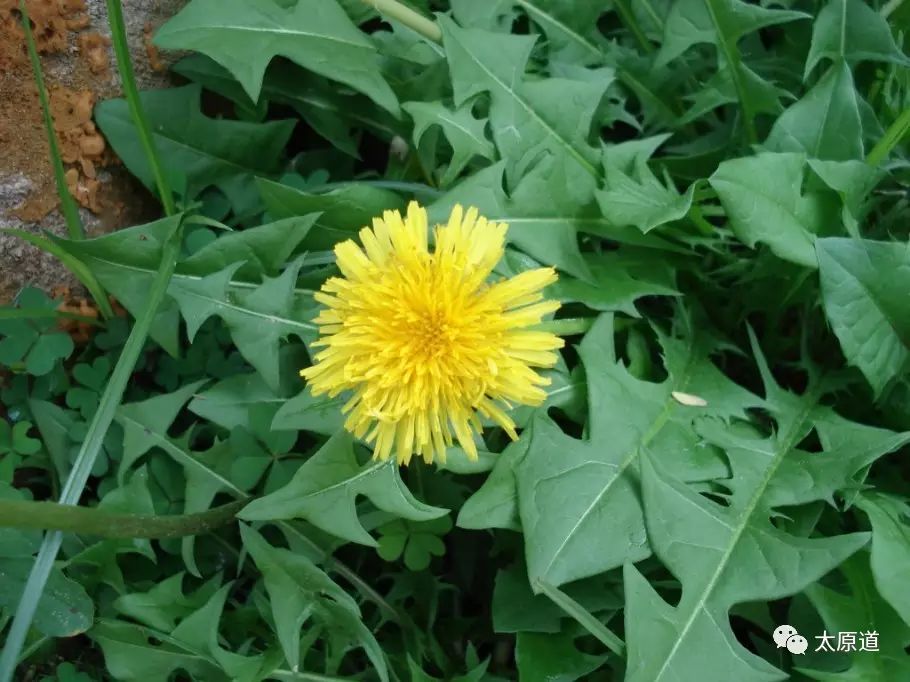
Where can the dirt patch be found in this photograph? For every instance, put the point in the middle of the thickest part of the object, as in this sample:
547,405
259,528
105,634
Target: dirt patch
73,41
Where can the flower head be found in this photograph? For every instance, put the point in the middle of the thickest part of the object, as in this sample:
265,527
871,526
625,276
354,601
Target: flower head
423,342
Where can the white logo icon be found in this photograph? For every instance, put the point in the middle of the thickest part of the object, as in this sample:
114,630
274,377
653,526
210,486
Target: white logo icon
787,636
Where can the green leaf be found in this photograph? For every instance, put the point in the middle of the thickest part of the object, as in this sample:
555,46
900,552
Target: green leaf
165,603
495,503
230,403
862,283
570,490
763,198
258,320
549,657
725,554
304,412
344,211
64,608
852,30
715,22
325,488
36,342
245,35
464,133
861,612
825,123
528,118
640,199
890,548
196,151
125,261
299,591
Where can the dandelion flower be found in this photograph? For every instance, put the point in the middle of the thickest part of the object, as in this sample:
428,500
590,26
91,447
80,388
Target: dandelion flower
421,339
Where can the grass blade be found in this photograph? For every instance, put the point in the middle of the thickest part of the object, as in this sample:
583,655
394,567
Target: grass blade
88,453
74,265
131,92
67,203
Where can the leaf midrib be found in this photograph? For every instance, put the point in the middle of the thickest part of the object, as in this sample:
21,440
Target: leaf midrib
196,30
652,431
570,148
744,519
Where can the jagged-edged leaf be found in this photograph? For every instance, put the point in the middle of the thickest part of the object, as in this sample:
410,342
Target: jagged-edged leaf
570,28
301,591
852,30
325,488
715,22
578,498
890,559
865,614
542,657
343,211
306,412
730,553
258,319
197,151
135,652
765,202
220,468
825,123
231,402
862,285
245,35
125,262
720,89
853,180
543,222
529,119
637,197
165,603
464,133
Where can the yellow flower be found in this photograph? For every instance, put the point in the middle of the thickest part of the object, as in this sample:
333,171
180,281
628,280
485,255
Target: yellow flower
423,341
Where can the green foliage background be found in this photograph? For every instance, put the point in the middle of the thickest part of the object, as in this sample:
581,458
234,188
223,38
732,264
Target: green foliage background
723,187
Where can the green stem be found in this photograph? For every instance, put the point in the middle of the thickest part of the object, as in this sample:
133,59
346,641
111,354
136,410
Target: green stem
892,137
624,9
698,219
131,92
731,53
425,27
67,203
73,264
96,521
88,453
43,314
584,618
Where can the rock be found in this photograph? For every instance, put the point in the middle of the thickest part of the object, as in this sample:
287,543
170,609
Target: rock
80,69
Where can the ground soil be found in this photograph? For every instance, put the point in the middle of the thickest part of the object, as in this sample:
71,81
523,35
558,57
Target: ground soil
72,39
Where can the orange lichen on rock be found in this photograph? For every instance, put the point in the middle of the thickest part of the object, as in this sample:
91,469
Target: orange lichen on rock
93,47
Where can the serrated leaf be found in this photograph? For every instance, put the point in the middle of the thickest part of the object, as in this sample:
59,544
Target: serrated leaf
860,612
861,282
725,554
125,263
245,35
464,133
258,319
825,123
343,211
545,657
229,403
325,487
640,199
305,412
299,591
715,22
528,118
564,531
763,198
852,30
890,557
198,151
